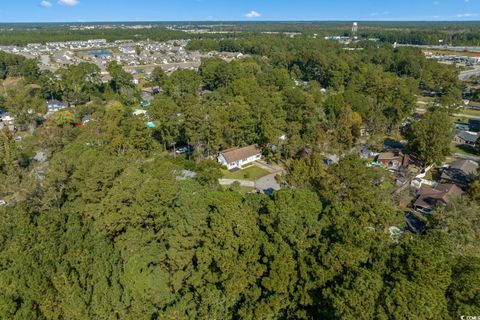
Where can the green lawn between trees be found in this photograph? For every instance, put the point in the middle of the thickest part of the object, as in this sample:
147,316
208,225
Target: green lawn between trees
249,173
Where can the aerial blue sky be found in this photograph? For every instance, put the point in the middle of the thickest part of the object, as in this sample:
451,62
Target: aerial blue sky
224,10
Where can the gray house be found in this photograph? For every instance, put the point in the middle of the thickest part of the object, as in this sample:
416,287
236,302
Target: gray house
466,137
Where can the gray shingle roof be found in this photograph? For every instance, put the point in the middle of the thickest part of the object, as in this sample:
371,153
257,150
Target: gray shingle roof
468,136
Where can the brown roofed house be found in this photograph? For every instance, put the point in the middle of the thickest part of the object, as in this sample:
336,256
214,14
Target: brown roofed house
393,160
235,158
428,198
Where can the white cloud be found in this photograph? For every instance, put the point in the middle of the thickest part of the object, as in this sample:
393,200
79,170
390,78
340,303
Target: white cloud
68,3
253,14
46,4
467,15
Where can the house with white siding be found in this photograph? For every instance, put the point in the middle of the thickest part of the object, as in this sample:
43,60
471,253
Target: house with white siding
236,158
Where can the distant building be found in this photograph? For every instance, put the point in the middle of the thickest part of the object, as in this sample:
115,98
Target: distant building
55,105
235,158
355,27
139,112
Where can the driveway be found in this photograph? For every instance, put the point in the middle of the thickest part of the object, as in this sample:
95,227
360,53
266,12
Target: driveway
243,183
267,184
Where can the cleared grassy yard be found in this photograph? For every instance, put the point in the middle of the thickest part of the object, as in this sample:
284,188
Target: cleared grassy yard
425,99
250,173
459,119
463,149
471,112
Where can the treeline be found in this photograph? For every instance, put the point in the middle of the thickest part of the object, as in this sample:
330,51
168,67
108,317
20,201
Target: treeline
12,65
420,33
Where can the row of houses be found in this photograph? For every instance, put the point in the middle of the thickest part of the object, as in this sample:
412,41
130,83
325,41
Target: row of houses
454,179
451,181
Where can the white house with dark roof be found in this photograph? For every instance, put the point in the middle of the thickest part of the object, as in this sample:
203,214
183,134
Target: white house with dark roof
236,158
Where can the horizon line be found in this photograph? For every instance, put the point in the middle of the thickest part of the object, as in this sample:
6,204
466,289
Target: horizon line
231,21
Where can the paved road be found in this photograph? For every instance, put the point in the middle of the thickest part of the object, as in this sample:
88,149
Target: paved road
442,47
268,184
465,75
469,116
466,157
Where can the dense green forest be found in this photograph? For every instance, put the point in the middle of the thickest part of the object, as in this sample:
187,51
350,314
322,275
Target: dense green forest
420,33
107,228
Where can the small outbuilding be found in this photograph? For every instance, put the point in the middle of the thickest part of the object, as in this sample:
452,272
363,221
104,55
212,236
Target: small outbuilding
55,105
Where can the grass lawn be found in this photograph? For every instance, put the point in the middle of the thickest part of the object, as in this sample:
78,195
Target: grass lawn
470,112
459,119
245,190
463,149
425,99
250,173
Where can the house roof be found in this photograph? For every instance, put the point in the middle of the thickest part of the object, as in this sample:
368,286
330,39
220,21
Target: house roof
467,166
388,155
55,102
394,155
236,154
473,122
460,171
428,197
468,136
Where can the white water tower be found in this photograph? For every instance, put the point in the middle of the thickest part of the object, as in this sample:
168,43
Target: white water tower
355,28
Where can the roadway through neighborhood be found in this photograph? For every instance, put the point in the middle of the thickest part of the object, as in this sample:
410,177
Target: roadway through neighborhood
465,75
469,116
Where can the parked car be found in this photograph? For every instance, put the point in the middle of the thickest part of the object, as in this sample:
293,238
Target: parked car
182,150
